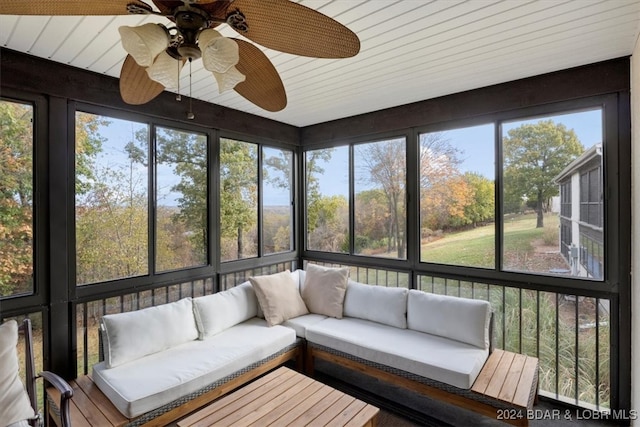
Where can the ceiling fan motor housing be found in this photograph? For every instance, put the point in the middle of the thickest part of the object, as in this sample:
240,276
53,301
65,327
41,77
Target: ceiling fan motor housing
189,22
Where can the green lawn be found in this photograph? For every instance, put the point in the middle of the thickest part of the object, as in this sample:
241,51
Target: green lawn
476,248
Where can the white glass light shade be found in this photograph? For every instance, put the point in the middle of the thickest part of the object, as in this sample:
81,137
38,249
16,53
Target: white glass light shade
229,80
219,53
166,70
144,43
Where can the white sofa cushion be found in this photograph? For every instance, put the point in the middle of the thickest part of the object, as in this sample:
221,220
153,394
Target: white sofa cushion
217,312
462,319
324,290
302,277
278,296
377,303
448,361
132,335
14,401
301,323
160,378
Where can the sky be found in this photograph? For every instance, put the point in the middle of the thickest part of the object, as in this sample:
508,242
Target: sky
476,146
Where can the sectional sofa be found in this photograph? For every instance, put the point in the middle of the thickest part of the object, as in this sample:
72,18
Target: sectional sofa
158,358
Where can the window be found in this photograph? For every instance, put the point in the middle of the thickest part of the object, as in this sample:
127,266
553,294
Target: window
379,181
277,200
565,199
181,199
327,199
566,240
545,161
591,253
16,198
113,173
591,197
238,199
241,228
380,192
457,196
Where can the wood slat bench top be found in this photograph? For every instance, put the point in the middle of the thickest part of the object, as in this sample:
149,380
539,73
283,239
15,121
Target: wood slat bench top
285,397
509,377
89,406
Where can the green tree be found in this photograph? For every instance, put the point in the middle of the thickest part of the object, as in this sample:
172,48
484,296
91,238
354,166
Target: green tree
533,155
238,192
186,153
312,171
111,228
88,146
482,207
331,231
277,186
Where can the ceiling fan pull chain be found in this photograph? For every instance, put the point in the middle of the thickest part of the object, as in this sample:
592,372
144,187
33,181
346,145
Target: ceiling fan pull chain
190,114
178,96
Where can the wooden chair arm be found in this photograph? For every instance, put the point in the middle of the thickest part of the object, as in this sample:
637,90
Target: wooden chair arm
66,393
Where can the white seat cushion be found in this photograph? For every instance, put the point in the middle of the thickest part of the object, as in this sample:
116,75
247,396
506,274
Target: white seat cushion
301,323
150,382
448,361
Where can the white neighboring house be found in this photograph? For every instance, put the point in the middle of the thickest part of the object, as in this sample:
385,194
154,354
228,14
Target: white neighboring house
581,214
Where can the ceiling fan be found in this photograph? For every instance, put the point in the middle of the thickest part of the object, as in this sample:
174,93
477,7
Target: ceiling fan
157,52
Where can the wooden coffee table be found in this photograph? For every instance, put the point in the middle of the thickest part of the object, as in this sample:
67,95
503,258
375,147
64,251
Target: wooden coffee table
285,397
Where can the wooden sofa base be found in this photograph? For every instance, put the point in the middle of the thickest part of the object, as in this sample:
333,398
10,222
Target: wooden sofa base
485,404
90,407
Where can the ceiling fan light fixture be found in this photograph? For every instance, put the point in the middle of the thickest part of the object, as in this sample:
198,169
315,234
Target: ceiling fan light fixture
145,42
219,53
229,79
166,70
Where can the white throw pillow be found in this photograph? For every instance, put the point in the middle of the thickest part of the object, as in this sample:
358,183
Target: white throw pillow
278,297
324,289
461,319
14,401
222,310
132,335
376,303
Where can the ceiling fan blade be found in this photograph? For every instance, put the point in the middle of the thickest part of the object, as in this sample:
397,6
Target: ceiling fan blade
262,85
293,28
68,7
135,85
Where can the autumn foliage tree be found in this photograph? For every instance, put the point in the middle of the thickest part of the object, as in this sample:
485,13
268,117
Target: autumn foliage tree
385,165
16,198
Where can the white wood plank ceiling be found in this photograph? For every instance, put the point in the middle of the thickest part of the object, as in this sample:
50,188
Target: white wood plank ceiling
411,50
